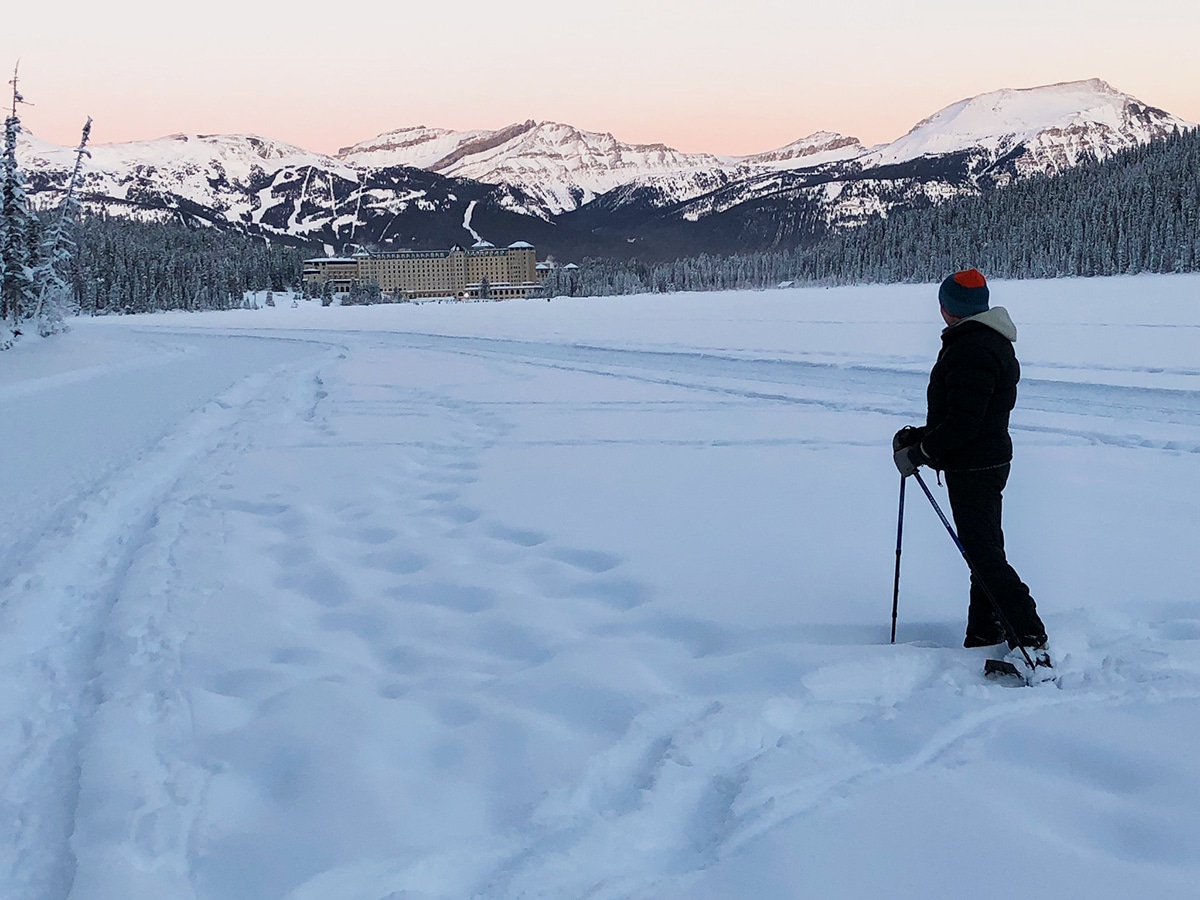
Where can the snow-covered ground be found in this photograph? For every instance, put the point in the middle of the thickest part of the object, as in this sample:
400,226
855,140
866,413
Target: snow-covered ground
589,598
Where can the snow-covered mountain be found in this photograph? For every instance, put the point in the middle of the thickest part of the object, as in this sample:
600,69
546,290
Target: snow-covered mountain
278,189
1041,129
574,191
566,168
243,178
417,146
815,150
967,147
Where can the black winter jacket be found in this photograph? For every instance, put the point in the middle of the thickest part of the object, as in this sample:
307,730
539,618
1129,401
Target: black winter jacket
972,390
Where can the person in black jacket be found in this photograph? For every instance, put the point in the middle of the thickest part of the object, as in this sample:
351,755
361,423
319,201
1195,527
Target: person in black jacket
972,390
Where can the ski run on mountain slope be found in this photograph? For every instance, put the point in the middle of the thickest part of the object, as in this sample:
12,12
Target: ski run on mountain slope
589,598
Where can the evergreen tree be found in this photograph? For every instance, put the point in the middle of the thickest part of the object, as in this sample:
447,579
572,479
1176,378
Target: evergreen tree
363,293
18,296
55,295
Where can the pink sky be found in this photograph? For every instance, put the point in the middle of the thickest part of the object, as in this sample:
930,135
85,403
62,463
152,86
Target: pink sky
711,75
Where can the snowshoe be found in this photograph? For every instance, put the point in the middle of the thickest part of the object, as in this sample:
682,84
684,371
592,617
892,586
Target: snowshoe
1015,668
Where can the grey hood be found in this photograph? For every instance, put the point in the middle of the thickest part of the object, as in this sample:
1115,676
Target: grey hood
997,319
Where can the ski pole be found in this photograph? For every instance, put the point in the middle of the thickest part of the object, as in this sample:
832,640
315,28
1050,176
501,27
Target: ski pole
899,540
1008,629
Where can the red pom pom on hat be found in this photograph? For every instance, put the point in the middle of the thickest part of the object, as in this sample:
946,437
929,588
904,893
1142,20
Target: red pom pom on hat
964,293
970,278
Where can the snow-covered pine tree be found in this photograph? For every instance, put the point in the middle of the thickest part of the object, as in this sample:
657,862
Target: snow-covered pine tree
17,292
55,301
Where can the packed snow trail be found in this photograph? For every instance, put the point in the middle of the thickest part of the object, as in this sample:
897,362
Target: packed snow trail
96,448
539,614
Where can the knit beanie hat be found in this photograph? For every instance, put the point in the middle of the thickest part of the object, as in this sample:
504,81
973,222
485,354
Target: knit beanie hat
964,293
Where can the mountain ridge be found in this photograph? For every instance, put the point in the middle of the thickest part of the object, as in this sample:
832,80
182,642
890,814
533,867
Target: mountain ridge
568,167
587,192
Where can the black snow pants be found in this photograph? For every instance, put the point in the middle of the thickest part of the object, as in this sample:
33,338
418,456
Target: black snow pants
975,502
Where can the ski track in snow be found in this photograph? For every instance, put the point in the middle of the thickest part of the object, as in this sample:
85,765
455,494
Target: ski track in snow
291,651
56,605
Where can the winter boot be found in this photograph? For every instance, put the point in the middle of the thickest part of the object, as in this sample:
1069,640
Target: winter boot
983,638
983,628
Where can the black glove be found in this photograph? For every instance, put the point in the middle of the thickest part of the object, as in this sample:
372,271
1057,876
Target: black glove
909,459
907,436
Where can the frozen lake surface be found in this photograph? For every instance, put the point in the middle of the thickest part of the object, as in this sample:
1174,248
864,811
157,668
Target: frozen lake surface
589,598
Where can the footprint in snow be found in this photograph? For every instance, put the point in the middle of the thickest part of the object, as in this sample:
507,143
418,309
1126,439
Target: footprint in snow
246,684
460,515
461,597
295,656
617,593
318,584
593,561
369,625
265,510
375,535
396,561
519,536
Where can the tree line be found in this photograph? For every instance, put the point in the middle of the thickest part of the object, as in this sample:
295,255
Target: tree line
1137,211
128,266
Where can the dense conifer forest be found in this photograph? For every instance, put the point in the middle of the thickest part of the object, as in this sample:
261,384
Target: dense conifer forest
127,266
1138,211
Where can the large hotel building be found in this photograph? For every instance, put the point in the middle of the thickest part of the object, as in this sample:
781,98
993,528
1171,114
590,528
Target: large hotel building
482,271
